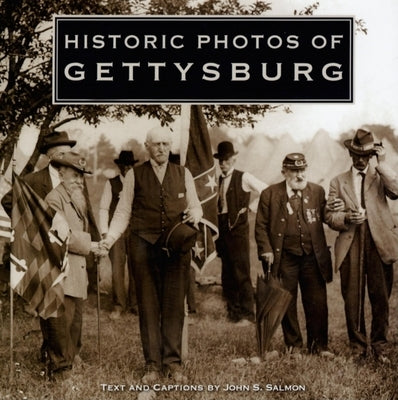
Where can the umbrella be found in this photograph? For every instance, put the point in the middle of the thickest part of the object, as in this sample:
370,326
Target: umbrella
272,301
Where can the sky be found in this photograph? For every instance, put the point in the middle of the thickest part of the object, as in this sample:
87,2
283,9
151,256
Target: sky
375,84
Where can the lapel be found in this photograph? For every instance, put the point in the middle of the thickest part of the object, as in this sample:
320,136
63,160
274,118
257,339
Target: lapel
282,198
369,178
347,187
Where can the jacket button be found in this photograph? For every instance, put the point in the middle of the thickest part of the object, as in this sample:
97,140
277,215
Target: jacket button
82,266
279,234
277,250
283,219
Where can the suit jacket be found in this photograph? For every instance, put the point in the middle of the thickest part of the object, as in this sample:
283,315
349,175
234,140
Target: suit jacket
271,222
378,186
75,284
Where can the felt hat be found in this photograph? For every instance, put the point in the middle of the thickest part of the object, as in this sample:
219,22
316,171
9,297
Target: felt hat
73,160
56,138
361,144
225,150
295,161
125,158
179,238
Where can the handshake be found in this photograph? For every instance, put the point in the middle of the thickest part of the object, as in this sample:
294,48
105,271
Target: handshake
101,248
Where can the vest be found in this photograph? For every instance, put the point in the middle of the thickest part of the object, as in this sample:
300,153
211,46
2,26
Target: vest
116,188
237,200
157,206
297,239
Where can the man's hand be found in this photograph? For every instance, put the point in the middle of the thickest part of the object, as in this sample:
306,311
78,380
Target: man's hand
268,258
192,216
355,217
380,153
335,205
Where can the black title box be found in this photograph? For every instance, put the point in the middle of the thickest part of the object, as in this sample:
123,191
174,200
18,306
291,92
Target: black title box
221,60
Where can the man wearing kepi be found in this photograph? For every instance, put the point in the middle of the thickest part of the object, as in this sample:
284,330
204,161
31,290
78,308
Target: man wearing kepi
233,243
64,332
290,238
367,245
122,301
155,196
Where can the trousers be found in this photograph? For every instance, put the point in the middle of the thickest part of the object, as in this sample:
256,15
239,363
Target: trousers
118,255
303,270
363,267
161,287
234,250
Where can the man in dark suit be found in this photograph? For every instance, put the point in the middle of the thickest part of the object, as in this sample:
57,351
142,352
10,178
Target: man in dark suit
291,240
367,244
118,254
233,243
155,195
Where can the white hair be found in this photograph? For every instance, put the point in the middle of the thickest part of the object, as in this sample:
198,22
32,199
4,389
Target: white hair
159,132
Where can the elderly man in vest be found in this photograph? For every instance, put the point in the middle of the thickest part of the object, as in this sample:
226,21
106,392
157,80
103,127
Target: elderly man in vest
233,243
155,195
64,332
118,253
367,245
291,241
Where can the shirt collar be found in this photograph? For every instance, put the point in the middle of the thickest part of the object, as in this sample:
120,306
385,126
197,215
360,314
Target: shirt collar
156,166
229,173
290,191
357,171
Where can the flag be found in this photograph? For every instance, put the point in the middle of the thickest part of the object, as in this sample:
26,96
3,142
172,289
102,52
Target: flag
39,242
200,162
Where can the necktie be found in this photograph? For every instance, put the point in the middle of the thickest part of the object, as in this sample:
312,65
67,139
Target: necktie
362,189
295,200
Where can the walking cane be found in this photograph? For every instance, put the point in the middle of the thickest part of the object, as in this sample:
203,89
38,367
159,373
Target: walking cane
97,265
360,272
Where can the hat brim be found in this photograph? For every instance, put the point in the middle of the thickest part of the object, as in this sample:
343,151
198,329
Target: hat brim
70,165
347,144
45,147
224,156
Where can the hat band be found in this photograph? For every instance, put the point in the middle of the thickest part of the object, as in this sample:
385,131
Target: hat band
365,147
297,163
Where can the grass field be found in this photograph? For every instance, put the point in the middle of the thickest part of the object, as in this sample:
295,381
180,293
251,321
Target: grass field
214,345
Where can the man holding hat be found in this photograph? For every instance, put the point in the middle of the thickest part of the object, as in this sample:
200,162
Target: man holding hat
291,242
233,243
156,197
367,245
118,253
64,333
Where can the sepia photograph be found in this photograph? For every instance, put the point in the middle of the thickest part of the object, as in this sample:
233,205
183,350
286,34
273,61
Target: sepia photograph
199,200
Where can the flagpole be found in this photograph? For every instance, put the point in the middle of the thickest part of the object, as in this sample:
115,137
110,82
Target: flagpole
11,376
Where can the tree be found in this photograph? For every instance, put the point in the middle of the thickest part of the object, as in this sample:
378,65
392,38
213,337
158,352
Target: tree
26,65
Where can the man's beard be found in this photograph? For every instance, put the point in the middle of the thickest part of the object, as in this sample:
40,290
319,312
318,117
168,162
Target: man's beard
298,185
79,200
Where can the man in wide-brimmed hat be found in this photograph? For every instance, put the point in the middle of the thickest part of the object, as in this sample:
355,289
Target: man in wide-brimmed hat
233,243
63,334
118,254
291,242
155,195
367,245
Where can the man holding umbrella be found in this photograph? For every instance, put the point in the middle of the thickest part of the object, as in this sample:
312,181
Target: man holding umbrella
367,245
291,240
